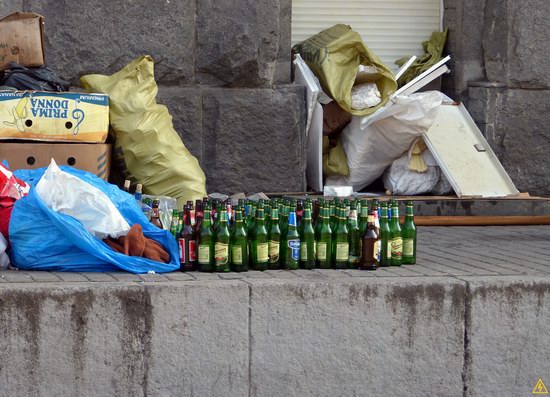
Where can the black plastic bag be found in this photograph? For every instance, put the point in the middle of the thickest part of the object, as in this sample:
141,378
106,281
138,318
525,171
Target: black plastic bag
37,79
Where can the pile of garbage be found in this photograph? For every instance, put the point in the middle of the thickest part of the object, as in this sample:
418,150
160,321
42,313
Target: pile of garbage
372,120
68,217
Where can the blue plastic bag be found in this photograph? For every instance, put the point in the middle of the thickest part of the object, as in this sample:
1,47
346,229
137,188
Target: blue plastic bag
42,239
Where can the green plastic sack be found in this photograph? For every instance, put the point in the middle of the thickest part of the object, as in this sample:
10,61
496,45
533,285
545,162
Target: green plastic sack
433,50
334,55
335,161
147,149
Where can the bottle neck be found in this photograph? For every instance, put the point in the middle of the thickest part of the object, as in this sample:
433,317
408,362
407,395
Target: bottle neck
409,212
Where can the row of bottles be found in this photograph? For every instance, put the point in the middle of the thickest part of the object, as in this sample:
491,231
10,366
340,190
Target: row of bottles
284,234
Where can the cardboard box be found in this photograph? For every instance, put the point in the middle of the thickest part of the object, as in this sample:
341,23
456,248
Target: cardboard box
94,158
54,116
22,40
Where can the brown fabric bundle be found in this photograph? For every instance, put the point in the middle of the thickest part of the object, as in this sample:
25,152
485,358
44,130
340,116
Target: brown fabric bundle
136,244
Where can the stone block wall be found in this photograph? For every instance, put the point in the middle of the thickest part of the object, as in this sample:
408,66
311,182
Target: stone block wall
223,70
500,71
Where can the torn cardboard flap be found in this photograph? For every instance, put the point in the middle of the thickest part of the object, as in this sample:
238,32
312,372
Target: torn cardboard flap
94,158
22,40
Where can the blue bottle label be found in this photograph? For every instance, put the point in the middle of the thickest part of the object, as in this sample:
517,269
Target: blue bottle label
294,246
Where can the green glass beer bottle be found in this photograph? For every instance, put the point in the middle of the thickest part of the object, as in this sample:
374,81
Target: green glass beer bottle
260,247
307,242
363,218
340,243
409,236
324,240
207,260
355,238
239,244
385,237
371,243
222,246
292,243
396,237
175,223
274,240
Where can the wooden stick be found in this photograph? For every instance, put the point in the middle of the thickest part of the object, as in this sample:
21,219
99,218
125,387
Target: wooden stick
480,220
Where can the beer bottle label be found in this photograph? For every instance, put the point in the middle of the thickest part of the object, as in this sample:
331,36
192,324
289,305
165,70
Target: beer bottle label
342,252
181,248
204,254
397,247
376,250
192,250
315,250
294,246
389,249
303,251
322,251
237,255
273,247
408,247
222,254
263,252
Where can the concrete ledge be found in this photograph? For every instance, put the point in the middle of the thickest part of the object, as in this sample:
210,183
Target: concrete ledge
274,335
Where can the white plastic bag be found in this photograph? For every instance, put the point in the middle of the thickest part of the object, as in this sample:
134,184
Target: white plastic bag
402,181
373,142
68,194
4,259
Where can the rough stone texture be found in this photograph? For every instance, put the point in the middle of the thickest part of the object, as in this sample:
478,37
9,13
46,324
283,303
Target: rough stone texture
9,6
464,44
101,37
244,43
508,349
185,106
495,40
522,140
124,340
254,139
529,45
364,338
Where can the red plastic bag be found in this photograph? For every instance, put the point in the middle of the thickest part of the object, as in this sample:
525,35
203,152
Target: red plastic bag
11,190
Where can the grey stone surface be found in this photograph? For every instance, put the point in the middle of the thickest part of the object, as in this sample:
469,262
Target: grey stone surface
254,139
9,6
508,349
244,43
522,132
124,340
529,44
357,338
185,107
101,37
495,40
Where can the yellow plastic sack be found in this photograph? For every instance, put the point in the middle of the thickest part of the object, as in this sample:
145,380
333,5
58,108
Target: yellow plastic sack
334,55
335,161
147,149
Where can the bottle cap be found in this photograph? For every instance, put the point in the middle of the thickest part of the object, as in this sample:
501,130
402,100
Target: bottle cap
138,188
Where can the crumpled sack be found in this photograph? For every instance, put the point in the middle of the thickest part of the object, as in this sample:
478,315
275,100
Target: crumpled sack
35,79
42,239
4,258
373,143
365,96
11,190
147,148
67,194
